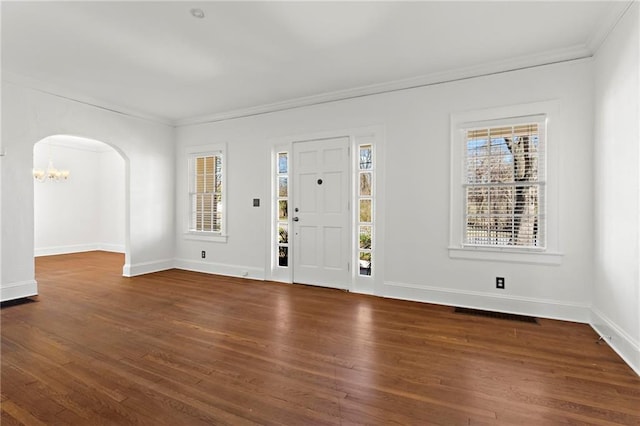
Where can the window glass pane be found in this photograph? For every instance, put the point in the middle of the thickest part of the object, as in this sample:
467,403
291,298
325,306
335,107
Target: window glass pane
283,166
365,210
206,204
477,159
501,132
283,189
366,157
477,229
283,256
199,183
503,215
365,263
283,210
477,200
365,184
283,233
208,183
365,237
501,201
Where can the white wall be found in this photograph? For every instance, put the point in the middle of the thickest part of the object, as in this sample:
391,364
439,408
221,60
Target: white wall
147,147
86,212
415,217
616,302
111,207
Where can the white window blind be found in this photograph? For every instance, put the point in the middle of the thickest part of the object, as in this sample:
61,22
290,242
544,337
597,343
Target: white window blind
504,184
206,193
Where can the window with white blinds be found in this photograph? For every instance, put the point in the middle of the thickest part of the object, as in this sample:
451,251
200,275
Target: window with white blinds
504,184
206,193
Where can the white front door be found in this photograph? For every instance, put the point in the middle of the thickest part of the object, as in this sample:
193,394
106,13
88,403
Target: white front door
321,218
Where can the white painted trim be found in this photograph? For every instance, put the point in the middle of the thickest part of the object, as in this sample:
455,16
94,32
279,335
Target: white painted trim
577,52
543,308
622,343
607,24
239,271
113,248
71,95
18,290
573,53
190,153
132,270
78,248
56,250
358,284
459,120
203,236
505,255
274,271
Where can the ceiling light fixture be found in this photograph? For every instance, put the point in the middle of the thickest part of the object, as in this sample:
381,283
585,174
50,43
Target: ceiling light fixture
197,13
51,174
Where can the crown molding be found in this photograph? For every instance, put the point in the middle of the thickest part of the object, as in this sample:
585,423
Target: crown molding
552,57
573,53
75,96
608,23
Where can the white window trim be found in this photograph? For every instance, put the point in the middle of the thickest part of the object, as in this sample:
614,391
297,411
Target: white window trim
356,143
550,255
197,151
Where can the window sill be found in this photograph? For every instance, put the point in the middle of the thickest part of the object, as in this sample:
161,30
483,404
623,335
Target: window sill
506,255
205,236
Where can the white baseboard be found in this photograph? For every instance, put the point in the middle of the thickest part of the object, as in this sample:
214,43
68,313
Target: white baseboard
18,290
221,269
78,248
499,303
113,248
132,270
621,342
52,251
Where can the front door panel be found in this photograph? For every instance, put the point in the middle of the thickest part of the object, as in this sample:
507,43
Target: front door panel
321,212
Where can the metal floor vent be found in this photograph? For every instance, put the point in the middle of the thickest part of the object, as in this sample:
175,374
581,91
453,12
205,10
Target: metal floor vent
499,315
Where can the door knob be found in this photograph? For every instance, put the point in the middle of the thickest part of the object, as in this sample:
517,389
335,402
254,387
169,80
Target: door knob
295,219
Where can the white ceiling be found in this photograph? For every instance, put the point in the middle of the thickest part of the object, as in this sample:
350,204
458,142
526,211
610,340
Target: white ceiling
155,59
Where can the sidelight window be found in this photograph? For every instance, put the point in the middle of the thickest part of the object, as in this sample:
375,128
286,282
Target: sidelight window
282,207
365,209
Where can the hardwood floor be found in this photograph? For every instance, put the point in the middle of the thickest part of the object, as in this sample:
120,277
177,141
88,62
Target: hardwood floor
182,348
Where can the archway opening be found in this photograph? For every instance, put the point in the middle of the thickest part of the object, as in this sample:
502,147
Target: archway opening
80,200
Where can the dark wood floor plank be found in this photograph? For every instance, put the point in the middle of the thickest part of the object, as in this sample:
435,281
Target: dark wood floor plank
182,348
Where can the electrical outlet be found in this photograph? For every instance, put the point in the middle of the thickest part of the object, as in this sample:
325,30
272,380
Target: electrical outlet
500,283
203,254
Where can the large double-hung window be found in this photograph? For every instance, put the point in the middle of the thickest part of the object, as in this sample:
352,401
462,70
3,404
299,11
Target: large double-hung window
206,215
504,185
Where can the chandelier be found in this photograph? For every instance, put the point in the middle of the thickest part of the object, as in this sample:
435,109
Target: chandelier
51,174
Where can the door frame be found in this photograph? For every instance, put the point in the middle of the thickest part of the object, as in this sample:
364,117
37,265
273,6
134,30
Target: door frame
373,135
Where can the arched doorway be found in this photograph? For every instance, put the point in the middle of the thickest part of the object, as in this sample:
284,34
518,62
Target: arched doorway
85,210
